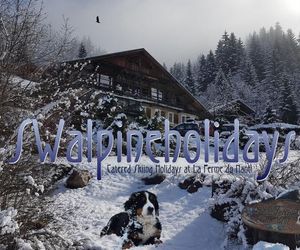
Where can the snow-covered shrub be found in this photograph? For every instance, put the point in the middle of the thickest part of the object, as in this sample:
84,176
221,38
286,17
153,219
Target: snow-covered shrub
285,174
44,239
228,203
156,122
295,145
244,138
23,187
141,117
120,123
8,224
111,113
23,245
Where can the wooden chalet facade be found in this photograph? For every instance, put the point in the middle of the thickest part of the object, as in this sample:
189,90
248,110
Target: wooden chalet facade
137,79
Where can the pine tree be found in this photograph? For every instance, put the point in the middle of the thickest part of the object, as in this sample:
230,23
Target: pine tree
211,68
233,60
178,72
293,52
141,117
229,53
201,75
222,53
189,80
274,71
270,114
289,111
241,52
248,73
223,88
156,122
82,51
257,56
165,66
254,72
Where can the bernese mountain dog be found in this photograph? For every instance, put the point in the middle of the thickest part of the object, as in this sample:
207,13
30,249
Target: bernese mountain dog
139,224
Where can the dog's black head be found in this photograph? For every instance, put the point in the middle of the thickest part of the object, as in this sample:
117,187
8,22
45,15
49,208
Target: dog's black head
142,203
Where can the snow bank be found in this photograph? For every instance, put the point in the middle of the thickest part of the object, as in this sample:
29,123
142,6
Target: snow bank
22,245
275,125
270,246
23,83
82,213
8,225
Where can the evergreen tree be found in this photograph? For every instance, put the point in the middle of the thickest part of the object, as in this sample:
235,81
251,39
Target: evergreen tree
108,109
222,53
241,53
211,68
254,73
274,71
156,122
189,80
257,56
270,114
165,66
141,117
234,59
201,75
248,73
289,111
82,51
229,53
293,52
178,71
223,88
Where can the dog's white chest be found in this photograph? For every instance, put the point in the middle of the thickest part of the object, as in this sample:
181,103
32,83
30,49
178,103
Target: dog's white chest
149,230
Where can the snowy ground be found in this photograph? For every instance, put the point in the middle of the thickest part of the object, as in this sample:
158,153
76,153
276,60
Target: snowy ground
82,213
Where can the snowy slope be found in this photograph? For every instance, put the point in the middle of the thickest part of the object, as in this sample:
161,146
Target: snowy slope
82,213
269,246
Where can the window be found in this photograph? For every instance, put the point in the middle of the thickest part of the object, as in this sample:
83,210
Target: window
171,117
159,95
175,118
153,93
148,112
105,81
145,92
183,118
156,94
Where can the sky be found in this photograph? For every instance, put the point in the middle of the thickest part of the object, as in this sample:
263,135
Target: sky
170,30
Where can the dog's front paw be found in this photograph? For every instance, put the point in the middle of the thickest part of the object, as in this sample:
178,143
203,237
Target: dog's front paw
157,242
127,244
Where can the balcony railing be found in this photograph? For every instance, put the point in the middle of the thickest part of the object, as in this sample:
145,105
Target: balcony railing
138,94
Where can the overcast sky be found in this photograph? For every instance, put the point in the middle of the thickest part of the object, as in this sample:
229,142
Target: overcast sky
171,30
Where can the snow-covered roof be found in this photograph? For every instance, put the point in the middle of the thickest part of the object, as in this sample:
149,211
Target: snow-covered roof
229,105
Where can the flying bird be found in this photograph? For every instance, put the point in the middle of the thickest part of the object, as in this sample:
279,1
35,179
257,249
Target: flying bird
97,19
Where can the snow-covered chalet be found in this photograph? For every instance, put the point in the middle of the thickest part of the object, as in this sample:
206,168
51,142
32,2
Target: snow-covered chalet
136,78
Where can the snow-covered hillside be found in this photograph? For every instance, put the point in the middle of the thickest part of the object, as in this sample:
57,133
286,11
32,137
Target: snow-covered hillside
82,213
